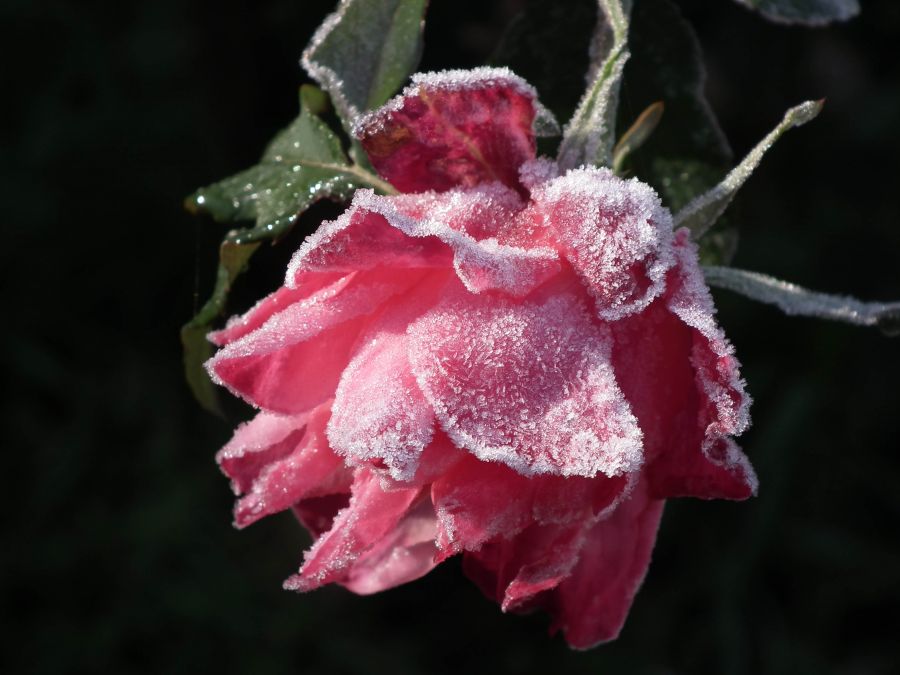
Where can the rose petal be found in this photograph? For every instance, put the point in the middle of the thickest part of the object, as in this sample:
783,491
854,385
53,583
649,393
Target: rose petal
453,128
591,604
264,439
406,553
684,388
720,470
385,231
379,411
615,233
478,501
371,515
293,362
528,384
311,469
319,286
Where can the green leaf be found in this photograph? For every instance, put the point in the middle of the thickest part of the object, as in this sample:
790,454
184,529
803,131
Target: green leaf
365,51
703,211
302,164
687,152
548,44
806,12
233,260
590,135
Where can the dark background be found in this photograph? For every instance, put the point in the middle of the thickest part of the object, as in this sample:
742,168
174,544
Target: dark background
117,552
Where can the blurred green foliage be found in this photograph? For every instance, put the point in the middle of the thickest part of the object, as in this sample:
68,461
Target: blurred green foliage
118,555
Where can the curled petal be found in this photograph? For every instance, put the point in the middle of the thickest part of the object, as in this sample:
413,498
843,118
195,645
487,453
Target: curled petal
371,515
310,469
527,384
264,439
453,128
615,233
590,605
406,553
724,404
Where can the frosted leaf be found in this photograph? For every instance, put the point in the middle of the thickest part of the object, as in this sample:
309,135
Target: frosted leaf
379,412
806,12
588,137
528,385
362,53
702,212
615,233
454,128
798,301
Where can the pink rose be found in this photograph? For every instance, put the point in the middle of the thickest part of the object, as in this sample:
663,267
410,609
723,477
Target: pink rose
501,362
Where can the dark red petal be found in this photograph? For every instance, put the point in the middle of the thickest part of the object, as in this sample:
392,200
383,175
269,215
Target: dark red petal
591,604
453,129
370,516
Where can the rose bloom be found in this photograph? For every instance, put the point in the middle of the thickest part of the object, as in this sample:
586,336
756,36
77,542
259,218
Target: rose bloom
501,362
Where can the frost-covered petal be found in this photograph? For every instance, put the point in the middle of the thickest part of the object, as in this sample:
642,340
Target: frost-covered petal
527,384
591,604
408,232
453,128
615,233
293,361
371,515
720,470
310,469
379,411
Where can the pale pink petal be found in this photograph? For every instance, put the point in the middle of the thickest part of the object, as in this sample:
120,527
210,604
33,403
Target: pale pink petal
615,233
454,128
293,362
406,553
261,441
528,384
371,515
311,469
591,604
